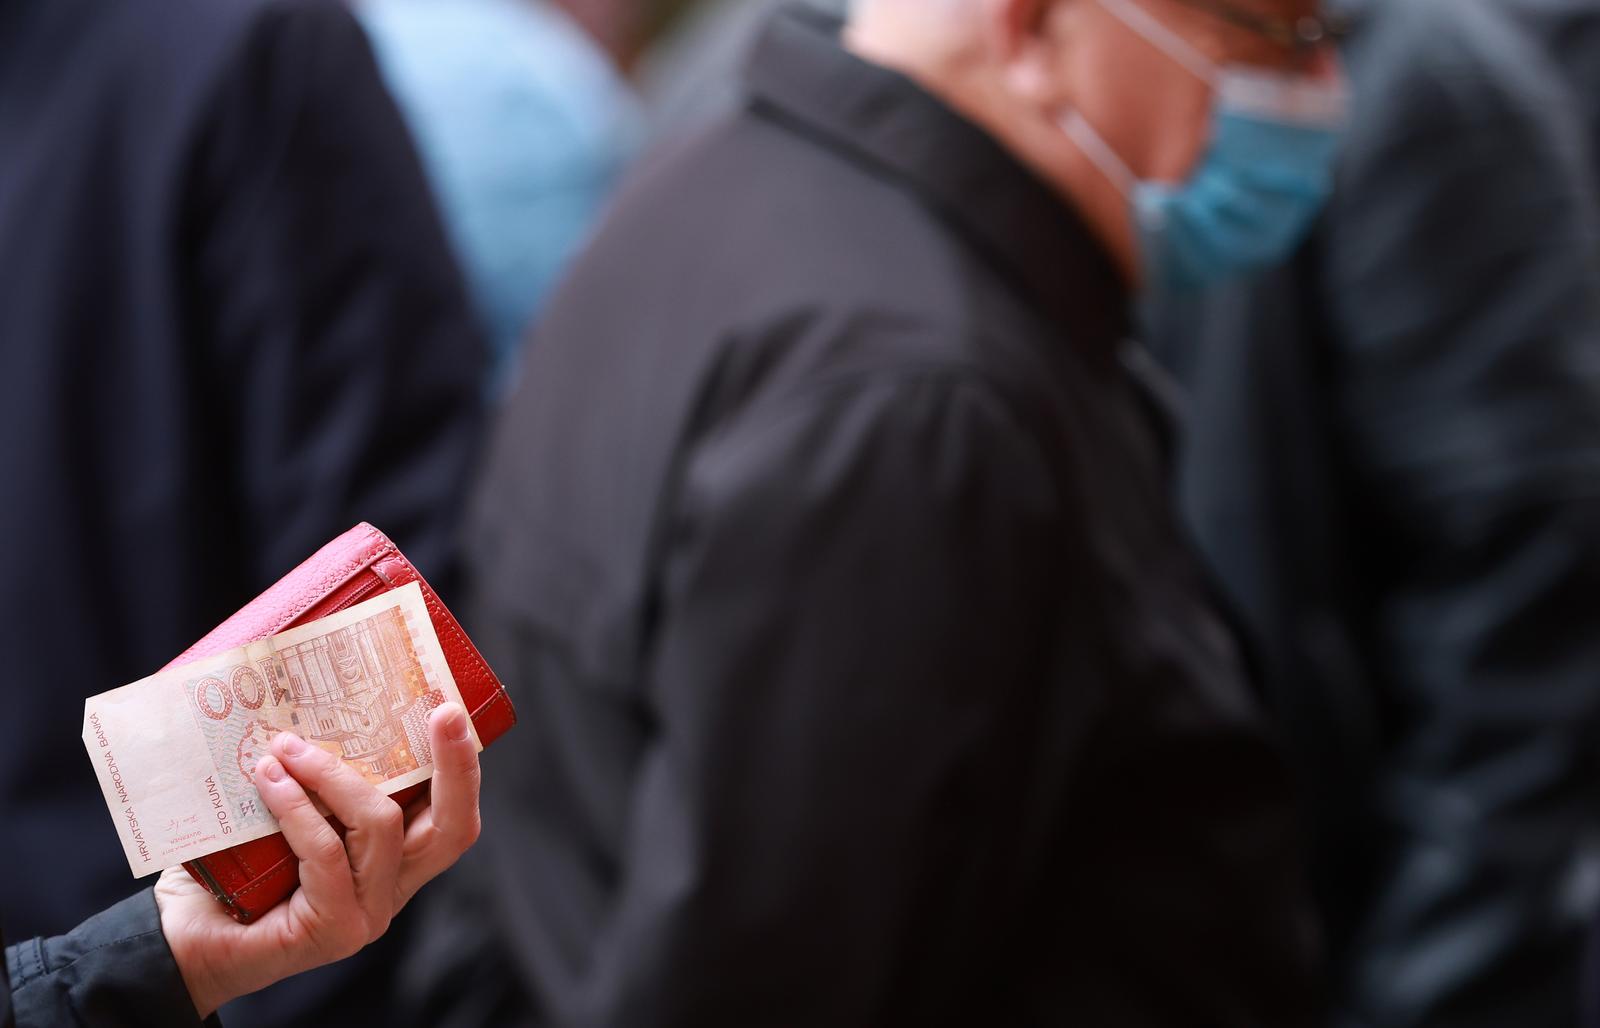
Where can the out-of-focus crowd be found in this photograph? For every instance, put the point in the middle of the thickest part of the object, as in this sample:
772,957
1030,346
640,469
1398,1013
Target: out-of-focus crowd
992,512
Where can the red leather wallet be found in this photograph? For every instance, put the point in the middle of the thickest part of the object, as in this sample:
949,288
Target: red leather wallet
252,878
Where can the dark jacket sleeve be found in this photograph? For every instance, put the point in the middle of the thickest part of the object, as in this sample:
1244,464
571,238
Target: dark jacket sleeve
851,608
1460,270
342,357
113,971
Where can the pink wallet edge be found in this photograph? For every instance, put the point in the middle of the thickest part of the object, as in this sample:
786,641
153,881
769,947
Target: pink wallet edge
368,544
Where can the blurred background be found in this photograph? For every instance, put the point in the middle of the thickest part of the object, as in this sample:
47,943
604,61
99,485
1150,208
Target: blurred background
216,357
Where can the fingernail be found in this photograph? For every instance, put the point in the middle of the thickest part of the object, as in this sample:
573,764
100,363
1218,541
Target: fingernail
270,768
293,745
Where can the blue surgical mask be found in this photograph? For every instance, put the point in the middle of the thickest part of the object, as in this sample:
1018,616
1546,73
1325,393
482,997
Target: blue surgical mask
1264,177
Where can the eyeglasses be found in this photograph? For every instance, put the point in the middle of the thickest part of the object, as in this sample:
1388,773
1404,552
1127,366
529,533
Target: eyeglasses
1298,34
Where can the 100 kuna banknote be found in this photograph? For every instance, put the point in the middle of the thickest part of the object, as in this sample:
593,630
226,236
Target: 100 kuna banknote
176,752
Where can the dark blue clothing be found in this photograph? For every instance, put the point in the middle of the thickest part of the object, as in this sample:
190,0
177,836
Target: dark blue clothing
113,971
230,328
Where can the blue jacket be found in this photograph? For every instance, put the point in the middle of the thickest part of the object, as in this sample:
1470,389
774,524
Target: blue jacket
524,125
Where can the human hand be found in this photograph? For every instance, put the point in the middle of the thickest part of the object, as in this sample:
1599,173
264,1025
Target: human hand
349,889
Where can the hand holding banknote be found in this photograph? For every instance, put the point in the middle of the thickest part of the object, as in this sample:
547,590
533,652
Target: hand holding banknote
350,888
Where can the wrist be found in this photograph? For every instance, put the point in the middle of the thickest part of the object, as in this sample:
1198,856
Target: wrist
188,954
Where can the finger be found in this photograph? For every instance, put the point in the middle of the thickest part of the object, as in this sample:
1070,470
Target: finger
457,776
325,876
374,825
451,822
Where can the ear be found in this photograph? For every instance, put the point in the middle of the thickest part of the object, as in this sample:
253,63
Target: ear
1010,23
1027,39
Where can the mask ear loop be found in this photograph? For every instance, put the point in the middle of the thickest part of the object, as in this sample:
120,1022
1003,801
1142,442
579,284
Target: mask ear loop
1145,25
1100,153
1158,35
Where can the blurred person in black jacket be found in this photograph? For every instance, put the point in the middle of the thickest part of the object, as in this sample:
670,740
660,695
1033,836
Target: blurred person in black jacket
827,550
1393,464
230,328
1570,30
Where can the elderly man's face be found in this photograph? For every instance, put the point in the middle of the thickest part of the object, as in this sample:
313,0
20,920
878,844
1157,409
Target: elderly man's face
1151,108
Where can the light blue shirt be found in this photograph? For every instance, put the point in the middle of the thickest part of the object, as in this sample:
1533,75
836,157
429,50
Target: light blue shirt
524,126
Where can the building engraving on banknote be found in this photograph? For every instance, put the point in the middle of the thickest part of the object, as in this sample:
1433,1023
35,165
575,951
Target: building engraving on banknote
361,692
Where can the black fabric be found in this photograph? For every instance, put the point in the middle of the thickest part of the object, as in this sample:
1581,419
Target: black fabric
1393,465
230,328
113,971
863,678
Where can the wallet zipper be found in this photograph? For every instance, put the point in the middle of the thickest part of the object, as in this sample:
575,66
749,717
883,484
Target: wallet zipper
357,595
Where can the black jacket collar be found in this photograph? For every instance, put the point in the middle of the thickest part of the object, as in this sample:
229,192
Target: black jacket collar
799,71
